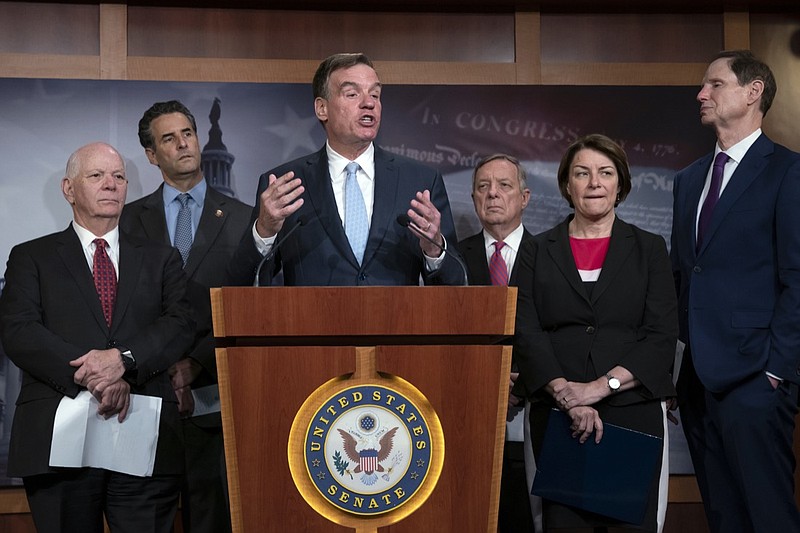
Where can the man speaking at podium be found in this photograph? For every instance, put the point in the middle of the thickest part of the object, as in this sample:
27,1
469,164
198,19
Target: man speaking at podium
331,218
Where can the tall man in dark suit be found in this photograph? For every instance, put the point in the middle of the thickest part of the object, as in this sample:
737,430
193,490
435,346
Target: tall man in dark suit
216,222
347,197
736,259
93,308
500,194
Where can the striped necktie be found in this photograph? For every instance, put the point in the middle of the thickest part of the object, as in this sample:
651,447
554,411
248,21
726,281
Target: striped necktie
498,270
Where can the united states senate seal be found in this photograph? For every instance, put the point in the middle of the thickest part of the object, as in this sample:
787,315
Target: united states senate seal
370,449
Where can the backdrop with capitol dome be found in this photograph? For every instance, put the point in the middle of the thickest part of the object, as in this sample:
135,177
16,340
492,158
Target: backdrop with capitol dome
254,127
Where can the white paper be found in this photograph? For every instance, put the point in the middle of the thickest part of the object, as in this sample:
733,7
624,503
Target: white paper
206,400
514,424
81,437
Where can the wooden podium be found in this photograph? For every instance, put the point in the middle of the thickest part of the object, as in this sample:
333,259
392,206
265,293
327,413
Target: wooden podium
277,345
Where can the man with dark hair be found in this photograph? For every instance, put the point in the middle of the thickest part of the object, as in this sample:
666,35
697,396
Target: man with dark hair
736,260
206,226
347,197
94,309
500,194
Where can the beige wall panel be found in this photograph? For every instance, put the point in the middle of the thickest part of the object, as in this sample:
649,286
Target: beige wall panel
49,28
630,38
776,40
256,34
622,73
301,71
49,66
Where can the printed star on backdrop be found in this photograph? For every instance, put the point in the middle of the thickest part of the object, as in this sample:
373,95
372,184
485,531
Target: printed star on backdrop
295,132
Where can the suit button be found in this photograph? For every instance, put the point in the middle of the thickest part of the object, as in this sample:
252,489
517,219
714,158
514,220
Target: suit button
361,276
697,269
590,330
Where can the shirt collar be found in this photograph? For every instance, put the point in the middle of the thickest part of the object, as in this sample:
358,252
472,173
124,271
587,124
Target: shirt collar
198,193
338,162
87,237
513,240
738,150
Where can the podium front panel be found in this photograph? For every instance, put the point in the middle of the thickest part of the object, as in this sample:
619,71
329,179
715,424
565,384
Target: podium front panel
264,388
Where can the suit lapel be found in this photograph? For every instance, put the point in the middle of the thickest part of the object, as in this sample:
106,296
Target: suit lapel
559,249
211,223
619,248
753,164
130,264
152,217
475,256
320,193
384,199
512,280
71,253
696,178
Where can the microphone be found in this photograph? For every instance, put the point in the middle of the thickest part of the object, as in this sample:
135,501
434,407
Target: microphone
300,222
404,220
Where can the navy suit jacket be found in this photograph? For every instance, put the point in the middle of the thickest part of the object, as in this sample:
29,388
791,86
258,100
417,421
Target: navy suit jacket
473,250
50,315
219,231
319,254
740,293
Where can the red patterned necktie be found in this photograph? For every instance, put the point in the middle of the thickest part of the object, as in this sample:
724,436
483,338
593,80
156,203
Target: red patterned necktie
105,279
498,270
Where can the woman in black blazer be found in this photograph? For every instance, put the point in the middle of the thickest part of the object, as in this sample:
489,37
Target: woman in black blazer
597,320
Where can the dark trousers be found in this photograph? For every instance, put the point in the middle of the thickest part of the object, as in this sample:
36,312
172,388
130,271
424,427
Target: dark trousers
76,500
741,446
204,494
515,508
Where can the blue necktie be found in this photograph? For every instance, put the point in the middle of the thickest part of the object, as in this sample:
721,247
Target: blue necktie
356,225
183,227
713,195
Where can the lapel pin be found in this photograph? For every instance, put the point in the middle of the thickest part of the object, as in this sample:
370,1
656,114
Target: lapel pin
218,214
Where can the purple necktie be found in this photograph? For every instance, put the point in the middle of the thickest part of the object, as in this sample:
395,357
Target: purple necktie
105,279
713,195
498,270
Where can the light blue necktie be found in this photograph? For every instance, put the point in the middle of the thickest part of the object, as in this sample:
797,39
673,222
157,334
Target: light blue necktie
356,225
183,227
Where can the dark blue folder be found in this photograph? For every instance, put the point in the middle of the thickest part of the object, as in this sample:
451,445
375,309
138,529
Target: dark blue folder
613,478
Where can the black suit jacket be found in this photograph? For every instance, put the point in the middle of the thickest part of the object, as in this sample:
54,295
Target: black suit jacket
630,318
50,315
473,250
221,226
319,254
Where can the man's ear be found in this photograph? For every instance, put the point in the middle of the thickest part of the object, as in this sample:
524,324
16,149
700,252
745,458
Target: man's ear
321,108
526,197
151,156
67,191
755,91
